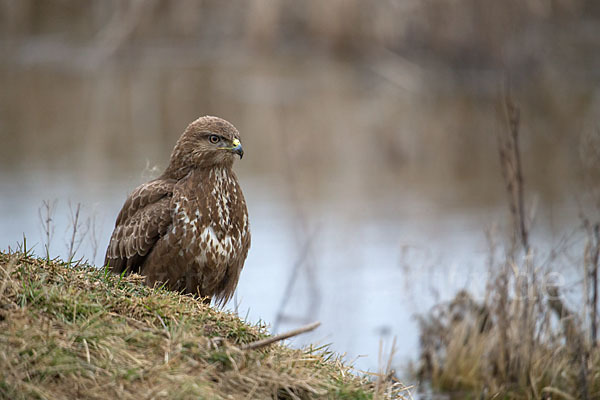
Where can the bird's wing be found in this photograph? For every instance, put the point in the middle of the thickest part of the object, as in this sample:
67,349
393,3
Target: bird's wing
144,218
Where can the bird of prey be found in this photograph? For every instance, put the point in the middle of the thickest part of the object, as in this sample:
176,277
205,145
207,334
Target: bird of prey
188,229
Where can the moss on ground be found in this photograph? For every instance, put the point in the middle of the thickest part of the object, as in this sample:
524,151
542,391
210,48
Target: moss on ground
80,332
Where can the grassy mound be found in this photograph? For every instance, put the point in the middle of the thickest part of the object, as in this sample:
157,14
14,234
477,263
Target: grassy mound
79,332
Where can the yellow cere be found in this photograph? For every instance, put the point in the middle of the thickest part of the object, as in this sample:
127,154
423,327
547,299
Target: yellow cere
236,142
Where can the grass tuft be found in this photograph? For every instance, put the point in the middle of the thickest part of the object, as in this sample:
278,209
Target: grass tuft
77,332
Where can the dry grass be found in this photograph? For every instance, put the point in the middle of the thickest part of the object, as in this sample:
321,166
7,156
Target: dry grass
521,341
78,332
462,349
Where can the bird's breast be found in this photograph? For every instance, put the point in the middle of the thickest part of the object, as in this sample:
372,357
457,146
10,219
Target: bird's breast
211,227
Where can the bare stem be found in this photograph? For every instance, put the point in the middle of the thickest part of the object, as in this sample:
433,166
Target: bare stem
78,231
282,336
594,265
46,215
512,171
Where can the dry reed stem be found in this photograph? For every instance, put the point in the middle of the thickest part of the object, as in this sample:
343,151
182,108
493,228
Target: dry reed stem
510,160
509,346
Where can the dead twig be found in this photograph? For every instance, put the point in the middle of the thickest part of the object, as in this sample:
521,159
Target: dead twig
594,265
46,215
282,336
291,280
510,159
78,229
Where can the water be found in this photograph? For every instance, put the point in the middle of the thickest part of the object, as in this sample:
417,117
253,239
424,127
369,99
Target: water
379,194
363,277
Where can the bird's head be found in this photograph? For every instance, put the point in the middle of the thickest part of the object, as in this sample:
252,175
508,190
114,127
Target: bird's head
206,143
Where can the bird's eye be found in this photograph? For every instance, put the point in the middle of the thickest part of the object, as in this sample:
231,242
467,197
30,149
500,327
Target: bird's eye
214,139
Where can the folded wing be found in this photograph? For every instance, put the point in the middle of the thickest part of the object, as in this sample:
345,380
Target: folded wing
144,218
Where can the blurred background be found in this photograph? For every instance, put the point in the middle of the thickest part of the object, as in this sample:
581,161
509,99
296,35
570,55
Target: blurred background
370,130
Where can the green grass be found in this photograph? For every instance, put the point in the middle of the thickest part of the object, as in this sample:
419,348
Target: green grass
78,332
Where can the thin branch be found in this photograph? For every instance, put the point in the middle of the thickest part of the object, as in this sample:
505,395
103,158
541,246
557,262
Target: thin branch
46,215
291,280
79,230
594,265
282,336
512,170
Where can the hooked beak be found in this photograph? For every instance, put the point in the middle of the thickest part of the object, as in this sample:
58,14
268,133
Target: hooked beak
237,148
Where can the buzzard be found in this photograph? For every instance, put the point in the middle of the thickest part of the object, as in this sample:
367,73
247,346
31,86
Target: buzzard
189,227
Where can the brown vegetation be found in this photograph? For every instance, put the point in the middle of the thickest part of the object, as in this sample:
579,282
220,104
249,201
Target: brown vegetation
521,341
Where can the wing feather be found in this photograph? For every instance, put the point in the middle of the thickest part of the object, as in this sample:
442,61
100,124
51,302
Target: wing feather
144,218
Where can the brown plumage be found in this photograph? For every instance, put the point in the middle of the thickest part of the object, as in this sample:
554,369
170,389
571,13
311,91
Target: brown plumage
189,227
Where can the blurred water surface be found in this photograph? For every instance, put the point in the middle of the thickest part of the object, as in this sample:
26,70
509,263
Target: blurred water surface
372,179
